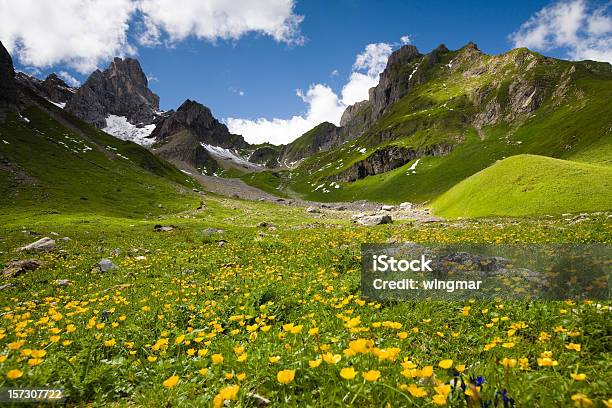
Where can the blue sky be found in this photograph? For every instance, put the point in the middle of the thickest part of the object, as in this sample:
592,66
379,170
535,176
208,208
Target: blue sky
254,73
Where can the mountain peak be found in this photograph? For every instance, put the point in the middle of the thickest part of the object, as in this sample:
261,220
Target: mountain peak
403,55
121,90
199,120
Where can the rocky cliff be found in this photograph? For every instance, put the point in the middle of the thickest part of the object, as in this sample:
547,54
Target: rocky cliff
8,87
52,88
187,135
199,120
121,90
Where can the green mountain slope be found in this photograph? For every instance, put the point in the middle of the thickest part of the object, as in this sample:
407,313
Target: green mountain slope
527,185
53,162
459,113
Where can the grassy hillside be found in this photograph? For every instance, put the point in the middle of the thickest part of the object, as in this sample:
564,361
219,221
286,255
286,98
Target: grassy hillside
571,122
527,185
56,163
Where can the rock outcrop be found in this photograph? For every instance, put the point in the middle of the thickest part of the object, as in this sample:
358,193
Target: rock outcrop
395,81
122,90
322,137
386,159
8,88
52,88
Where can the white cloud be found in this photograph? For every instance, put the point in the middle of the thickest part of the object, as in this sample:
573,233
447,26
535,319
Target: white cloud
219,19
334,73
69,79
583,31
78,33
324,105
82,34
405,39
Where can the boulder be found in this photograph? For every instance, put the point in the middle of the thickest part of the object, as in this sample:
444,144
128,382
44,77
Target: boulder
313,210
16,268
161,228
378,219
405,206
43,244
387,207
106,265
63,282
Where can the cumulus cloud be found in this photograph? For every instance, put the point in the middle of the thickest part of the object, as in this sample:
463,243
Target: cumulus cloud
82,34
69,79
324,105
78,33
405,39
576,26
219,19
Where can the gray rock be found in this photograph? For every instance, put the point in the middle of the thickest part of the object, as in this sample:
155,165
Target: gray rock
258,400
212,231
405,206
313,210
63,282
65,239
106,265
161,228
18,267
387,207
43,244
7,286
378,219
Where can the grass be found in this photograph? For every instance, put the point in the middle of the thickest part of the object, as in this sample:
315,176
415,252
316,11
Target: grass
527,185
197,318
152,331
69,174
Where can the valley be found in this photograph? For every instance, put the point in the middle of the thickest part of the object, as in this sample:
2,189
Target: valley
184,266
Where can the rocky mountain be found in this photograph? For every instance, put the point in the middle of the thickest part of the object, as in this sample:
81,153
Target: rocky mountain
51,88
435,119
8,88
193,136
120,90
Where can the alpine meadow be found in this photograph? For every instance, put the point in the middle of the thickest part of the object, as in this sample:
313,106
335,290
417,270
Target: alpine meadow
154,257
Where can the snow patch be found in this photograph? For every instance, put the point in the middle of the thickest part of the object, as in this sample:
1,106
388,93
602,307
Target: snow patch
186,172
412,168
5,142
227,154
413,72
61,105
119,127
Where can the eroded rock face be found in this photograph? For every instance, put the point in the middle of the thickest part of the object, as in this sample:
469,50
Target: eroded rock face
199,120
122,90
52,88
394,82
322,137
388,158
8,88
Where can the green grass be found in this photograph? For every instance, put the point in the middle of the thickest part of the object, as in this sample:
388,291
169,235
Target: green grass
66,173
438,112
268,181
242,294
527,185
